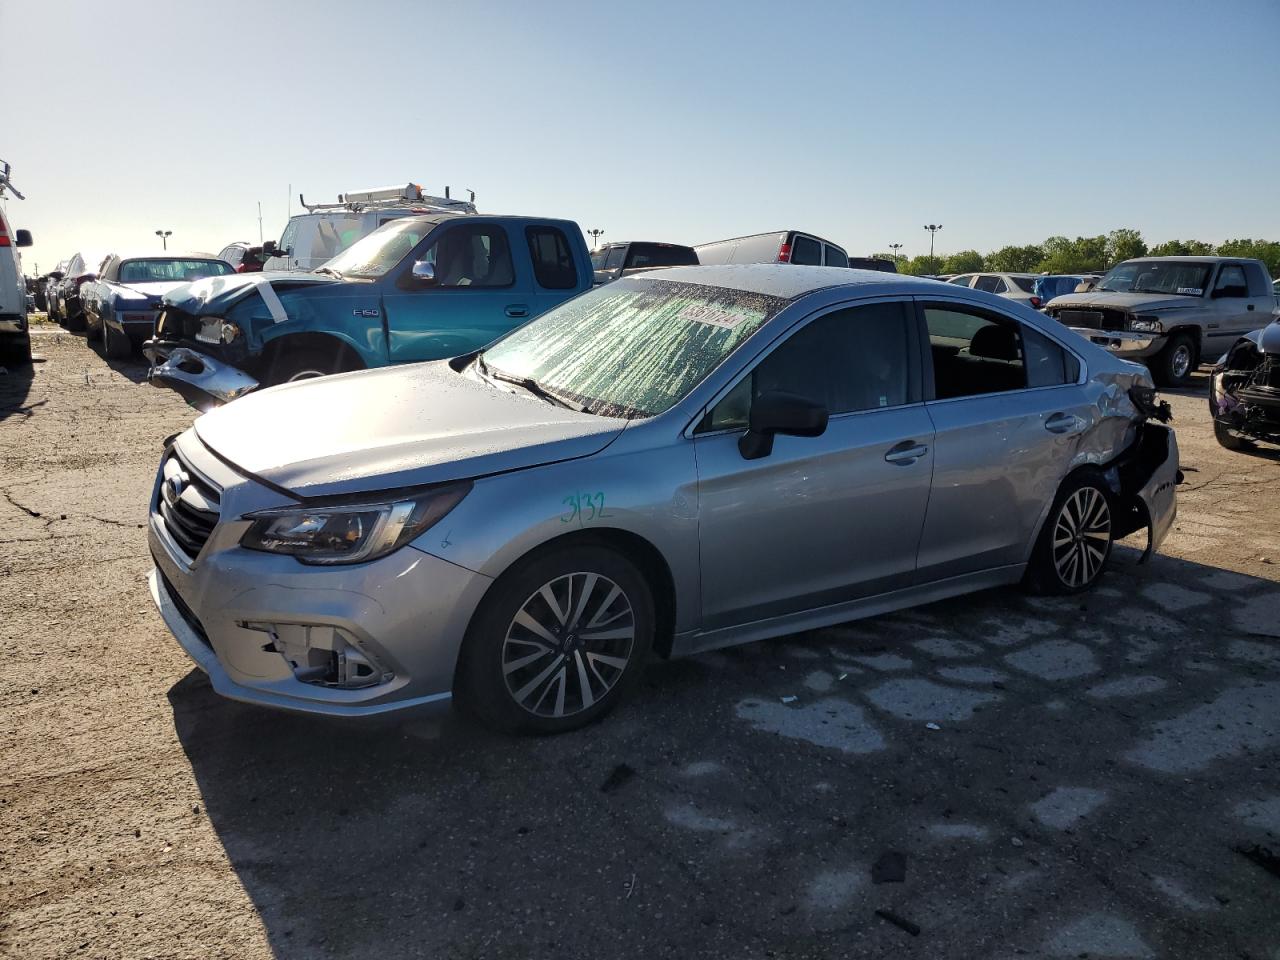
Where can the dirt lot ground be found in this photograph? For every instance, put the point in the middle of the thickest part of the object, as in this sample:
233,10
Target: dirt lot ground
1097,766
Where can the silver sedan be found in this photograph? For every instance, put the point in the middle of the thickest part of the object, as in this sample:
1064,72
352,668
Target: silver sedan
700,457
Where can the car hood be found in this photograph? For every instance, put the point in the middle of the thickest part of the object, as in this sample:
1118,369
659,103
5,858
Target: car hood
395,427
214,295
1123,301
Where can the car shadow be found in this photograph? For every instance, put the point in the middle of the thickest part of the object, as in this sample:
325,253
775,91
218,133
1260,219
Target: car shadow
15,388
410,837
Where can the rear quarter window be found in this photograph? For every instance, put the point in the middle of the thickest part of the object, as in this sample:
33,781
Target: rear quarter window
553,265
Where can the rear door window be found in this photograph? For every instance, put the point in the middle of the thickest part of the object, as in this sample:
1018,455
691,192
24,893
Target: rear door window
973,353
806,251
553,265
835,257
991,284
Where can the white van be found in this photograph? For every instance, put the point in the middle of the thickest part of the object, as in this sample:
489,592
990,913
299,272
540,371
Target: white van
326,229
15,338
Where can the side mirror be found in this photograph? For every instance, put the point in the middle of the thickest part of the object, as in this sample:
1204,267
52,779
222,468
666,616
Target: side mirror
776,412
22,238
424,273
1231,292
269,249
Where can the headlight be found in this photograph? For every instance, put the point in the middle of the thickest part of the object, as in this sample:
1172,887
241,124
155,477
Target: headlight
349,533
1146,325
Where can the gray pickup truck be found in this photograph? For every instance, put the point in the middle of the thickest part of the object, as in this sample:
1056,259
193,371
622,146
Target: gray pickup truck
1171,312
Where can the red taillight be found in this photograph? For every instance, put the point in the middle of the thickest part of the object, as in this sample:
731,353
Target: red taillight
4,235
784,252
1035,302
240,269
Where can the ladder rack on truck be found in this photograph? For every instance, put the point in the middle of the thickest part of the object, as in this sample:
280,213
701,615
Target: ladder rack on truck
385,197
6,183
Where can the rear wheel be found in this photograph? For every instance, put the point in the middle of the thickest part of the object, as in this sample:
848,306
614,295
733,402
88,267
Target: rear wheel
115,345
1075,543
557,641
1172,366
15,352
1228,438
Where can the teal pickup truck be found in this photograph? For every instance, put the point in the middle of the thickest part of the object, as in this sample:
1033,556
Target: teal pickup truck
418,288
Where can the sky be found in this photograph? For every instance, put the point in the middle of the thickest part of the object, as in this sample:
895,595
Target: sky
678,121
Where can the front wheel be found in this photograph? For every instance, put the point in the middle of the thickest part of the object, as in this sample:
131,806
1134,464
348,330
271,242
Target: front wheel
557,642
1075,543
306,364
115,346
1228,439
1172,366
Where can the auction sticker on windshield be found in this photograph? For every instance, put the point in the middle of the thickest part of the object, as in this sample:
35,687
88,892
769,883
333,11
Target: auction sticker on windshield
714,316
1191,291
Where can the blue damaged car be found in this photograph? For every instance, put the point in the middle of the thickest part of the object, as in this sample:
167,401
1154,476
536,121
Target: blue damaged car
419,288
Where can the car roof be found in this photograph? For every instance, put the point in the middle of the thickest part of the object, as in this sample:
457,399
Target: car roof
785,280
1189,259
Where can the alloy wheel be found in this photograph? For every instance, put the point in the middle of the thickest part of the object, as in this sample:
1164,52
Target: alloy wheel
1180,362
568,645
1081,535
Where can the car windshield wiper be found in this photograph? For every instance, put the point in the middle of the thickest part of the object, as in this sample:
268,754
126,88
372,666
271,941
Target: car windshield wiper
328,270
529,384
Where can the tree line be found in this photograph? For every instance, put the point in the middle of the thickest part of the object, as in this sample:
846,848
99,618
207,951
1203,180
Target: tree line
1083,255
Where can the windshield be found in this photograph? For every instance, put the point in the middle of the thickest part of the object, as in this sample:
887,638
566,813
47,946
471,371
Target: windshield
160,271
632,348
380,251
1157,276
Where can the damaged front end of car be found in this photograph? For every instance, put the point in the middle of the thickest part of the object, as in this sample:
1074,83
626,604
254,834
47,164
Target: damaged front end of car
205,383
1244,390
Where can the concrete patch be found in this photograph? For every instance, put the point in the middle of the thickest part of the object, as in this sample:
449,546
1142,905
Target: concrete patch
803,653
1145,621
1141,649
886,662
819,681
1242,718
691,818
1226,580
1127,687
700,768
916,699
1263,814
971,674
1179,895
1098,935
1254,652
1011,631
959,831
1170,596
834,889
1054,660
947,649
827,723
1065,805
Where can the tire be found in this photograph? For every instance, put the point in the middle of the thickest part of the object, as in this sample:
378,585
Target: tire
115,346
306,364
1075,542
1222,433
16,352
1173,366
521,680
76,323
94,331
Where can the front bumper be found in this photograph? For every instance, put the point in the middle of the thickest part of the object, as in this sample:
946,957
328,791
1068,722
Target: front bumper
200,379
258,624
1124,343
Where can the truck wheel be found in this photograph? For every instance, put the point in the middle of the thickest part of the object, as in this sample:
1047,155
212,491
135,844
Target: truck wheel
307,364
1231,441
76,323
558,640
115,346
1075,541
17,352
1173,366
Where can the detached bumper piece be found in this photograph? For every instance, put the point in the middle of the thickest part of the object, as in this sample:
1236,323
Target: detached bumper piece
1145,479
203,382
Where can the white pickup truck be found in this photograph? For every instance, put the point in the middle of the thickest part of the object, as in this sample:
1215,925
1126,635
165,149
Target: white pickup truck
1171,313
15,338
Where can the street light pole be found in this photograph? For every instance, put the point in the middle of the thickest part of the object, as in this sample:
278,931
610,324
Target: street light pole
933,228
895,247
164,236
595,236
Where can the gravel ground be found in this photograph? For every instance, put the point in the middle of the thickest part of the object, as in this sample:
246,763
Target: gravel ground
1096,767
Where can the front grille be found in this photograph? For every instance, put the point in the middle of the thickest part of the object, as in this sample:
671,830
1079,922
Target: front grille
188,615
1092,319
188,504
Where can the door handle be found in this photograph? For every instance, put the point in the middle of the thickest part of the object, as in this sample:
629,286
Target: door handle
1250,307
906,453
1063,423
517,310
